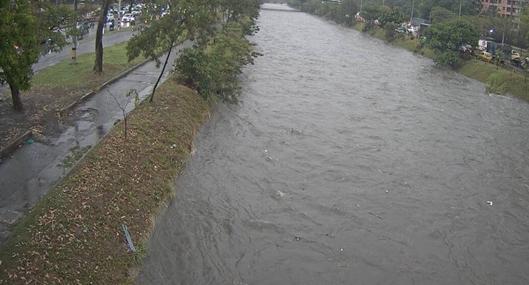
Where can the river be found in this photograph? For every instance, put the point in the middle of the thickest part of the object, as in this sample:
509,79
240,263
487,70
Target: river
349,161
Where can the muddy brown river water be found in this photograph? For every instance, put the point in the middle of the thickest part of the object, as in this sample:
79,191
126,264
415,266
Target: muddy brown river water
349,161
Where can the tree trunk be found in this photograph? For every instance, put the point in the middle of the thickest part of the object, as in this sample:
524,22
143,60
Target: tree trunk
161,73
98,66
15,96
74,48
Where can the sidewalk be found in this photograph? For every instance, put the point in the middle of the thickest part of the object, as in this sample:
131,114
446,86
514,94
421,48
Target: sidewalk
35,168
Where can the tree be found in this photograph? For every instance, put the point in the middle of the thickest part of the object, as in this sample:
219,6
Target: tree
441,14
349,8
391,15
24,26
213,69
190,19
390,30
447,38
98,65
468,7
200,21
19,48
196,20
524,25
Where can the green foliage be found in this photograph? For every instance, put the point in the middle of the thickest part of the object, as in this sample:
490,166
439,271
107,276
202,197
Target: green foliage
52,20
425,7
217,57
197,20
372,12
390,32
441,14
391,15
524,26
188,19
341,13
19,46
213,69
447,58
447,37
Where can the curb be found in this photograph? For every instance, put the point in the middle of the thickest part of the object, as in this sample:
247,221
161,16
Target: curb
61,112
12,146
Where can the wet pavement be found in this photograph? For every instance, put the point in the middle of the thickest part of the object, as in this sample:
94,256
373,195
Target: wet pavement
349,161
34,168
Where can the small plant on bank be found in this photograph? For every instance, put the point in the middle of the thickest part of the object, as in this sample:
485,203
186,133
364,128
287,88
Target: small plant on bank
390,31
124,105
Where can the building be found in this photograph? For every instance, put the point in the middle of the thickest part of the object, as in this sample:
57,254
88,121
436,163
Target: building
505,8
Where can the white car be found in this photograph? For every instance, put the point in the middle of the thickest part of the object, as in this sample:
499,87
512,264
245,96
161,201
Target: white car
127,18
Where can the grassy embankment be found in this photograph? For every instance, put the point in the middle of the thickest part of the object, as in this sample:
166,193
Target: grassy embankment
498,79
74,235
69,81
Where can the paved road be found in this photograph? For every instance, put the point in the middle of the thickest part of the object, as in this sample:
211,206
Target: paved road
85,46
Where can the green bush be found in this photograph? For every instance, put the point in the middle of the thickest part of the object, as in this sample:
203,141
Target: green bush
447,58
390,31
213,69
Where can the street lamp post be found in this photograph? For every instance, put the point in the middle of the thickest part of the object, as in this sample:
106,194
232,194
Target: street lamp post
412,6
361,4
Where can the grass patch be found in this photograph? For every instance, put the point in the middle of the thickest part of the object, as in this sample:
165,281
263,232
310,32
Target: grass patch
73,235
406,43
498,80
69,81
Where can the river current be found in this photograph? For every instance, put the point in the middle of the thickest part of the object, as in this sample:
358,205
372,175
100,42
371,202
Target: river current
349,161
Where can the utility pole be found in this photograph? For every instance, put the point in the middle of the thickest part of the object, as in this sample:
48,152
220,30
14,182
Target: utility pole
460,4
361,4
412,6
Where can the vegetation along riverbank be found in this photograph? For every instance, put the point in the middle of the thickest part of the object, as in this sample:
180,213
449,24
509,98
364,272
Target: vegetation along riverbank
461,39
92,228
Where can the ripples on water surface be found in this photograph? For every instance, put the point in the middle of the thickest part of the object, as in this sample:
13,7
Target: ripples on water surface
350,162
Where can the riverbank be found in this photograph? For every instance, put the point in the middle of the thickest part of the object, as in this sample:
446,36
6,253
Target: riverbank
498,80
74,235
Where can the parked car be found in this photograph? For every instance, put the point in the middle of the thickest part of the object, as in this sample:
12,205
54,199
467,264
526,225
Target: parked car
127,18
486,56
516,58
